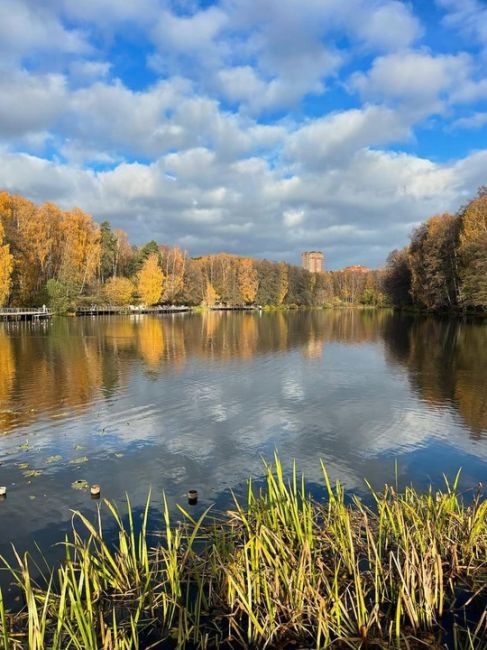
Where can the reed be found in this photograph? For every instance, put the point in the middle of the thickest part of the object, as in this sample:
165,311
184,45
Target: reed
278,570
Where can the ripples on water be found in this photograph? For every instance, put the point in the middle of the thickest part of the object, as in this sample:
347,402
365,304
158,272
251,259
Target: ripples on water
182,401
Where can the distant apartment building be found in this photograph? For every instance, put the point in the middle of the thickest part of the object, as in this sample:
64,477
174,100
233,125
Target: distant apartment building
312,261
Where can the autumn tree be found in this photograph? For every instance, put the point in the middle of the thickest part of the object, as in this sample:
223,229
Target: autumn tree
6,267
119,291
150,279
432,259
283,284
174,264
81,249
473,251
18,215
397,278
248,280
193,289
124,254
211,295
269,282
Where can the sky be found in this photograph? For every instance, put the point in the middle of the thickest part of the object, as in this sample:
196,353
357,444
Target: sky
255,127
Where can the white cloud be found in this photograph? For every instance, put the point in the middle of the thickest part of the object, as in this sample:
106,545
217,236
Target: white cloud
366,203
327,141
269,54
469,17
88,71
387,26
198,157
29,102
418,82
292,218
475,121
33,27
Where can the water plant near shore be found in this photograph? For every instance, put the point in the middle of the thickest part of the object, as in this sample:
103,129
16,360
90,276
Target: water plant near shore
280,570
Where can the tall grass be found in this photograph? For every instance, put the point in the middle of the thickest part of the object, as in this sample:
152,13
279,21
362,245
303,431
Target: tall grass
280,570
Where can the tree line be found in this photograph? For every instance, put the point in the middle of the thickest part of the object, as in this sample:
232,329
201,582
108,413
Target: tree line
445,265
64,258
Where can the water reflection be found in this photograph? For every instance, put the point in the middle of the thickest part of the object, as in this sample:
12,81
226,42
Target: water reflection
446,362
184,401
64,366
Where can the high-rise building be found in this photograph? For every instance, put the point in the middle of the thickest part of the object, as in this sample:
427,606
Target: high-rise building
312,261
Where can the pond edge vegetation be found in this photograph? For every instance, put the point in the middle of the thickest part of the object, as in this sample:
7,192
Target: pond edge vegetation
279,570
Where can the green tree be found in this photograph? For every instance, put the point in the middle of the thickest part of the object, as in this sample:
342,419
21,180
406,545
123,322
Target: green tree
108,253
60,295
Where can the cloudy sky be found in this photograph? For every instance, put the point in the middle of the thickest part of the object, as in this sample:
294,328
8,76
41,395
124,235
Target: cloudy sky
261,127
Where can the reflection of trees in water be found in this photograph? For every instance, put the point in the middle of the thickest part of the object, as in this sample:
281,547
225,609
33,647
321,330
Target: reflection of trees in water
150,342
446,360
7,375
70,363
471,369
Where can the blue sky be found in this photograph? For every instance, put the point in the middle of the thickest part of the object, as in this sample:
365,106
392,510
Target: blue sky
261,127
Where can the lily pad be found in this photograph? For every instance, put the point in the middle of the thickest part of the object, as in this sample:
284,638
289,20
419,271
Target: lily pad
79,460
53,459
80,484
32,473
22,465
25,445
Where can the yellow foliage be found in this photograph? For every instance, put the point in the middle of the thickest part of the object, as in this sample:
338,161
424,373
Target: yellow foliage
119,291
82,248
149,281
211,295
6,268
7,367
474,221
248,280
151,341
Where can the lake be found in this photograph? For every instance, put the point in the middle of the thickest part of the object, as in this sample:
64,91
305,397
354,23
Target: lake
199,400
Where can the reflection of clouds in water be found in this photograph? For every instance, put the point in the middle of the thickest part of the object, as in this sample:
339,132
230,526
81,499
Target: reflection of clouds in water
292,389
208,424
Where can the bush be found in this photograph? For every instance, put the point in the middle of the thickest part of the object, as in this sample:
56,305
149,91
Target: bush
119,291
60,295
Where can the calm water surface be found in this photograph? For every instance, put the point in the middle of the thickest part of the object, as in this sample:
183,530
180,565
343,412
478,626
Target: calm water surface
196,401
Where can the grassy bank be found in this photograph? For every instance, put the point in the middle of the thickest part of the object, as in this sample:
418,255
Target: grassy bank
277,571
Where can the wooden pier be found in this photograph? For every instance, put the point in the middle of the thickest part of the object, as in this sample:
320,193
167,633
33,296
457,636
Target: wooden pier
235,308
107,310
24,313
